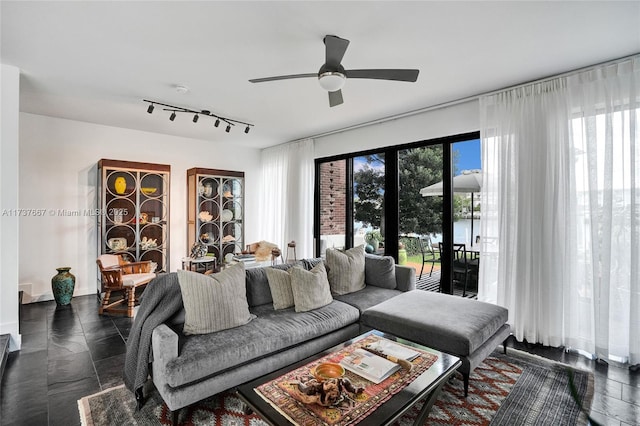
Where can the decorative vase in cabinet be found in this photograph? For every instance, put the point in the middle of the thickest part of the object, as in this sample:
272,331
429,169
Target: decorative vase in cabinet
120,185
63,285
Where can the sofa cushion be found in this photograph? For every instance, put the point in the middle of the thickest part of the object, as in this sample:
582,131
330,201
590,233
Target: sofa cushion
205,355
368,297
310,288
345,270
448,323
214,302
280,286
380,271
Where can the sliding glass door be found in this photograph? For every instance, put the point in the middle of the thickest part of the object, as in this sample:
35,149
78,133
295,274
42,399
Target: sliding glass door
398,201
420,214
368,202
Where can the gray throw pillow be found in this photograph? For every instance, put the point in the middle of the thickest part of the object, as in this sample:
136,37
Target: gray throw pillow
345,270
214,302
280,285
380,271
310,288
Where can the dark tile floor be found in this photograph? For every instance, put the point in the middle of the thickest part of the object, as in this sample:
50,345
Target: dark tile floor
71,352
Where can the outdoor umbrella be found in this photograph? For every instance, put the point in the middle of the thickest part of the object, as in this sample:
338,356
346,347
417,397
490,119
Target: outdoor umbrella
468,181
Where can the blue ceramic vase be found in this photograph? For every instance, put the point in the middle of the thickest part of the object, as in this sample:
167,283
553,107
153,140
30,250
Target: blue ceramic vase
63,285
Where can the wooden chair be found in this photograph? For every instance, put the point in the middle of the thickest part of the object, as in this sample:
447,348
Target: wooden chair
120,275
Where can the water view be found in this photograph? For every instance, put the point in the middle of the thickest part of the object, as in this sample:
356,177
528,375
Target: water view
462,232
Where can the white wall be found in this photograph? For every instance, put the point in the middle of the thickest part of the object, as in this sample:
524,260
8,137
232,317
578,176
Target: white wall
9,107
58,170
436,123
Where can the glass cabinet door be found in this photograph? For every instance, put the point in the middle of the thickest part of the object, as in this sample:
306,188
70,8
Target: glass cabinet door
216,211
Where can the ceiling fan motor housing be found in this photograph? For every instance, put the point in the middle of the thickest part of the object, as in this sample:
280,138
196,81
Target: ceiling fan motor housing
331,78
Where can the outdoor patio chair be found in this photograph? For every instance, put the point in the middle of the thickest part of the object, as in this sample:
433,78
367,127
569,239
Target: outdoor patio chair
429,255
461,267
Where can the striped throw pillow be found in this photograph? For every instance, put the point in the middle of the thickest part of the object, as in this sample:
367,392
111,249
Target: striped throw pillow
345,270
280,286
310,288
214,302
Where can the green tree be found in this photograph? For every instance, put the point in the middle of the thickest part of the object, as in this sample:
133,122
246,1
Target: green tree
369,195
418,168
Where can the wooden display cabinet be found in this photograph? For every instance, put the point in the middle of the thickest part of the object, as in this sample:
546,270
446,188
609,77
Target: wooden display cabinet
133,199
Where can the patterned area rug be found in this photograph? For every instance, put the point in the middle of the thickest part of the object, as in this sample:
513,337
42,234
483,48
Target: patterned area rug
511,389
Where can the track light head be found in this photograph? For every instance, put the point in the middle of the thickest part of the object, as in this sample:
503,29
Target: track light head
228,129
246,129
195,118
217,123
150,109
172,116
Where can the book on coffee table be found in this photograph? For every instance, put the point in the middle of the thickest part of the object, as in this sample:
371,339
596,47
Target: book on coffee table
369,365
389,348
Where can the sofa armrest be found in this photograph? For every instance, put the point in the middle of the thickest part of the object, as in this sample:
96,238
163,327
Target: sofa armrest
165,345
405,278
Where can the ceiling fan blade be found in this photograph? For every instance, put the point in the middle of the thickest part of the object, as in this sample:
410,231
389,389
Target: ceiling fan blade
283,77
384,74
335,48
335,98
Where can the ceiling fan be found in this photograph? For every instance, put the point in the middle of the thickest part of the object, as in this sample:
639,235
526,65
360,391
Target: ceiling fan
332,74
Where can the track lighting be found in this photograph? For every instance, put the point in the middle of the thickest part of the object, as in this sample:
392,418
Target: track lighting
196,115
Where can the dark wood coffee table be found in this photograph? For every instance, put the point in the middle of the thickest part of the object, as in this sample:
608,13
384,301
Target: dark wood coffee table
428,385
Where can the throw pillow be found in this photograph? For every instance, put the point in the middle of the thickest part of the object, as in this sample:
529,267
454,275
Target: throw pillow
309,264
280,285
258,292
380,271
310,288
346,270
214,302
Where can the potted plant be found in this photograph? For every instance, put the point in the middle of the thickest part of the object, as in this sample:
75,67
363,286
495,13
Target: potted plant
373,238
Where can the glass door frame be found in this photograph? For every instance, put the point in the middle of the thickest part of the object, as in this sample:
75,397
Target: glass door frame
391,197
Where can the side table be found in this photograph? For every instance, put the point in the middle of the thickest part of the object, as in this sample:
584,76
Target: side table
204,265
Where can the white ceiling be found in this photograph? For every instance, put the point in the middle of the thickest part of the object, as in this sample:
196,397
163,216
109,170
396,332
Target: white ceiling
95,61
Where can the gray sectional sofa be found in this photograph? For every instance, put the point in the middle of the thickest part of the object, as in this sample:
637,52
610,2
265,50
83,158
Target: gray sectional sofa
186,369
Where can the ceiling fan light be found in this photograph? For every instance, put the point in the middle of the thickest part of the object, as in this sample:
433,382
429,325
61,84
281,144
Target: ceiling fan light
332,81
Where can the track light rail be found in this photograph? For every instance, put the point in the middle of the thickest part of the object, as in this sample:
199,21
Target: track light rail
196,114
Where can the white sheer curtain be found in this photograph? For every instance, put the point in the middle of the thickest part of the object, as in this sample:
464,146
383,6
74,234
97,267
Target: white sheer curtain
561,209
286,196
